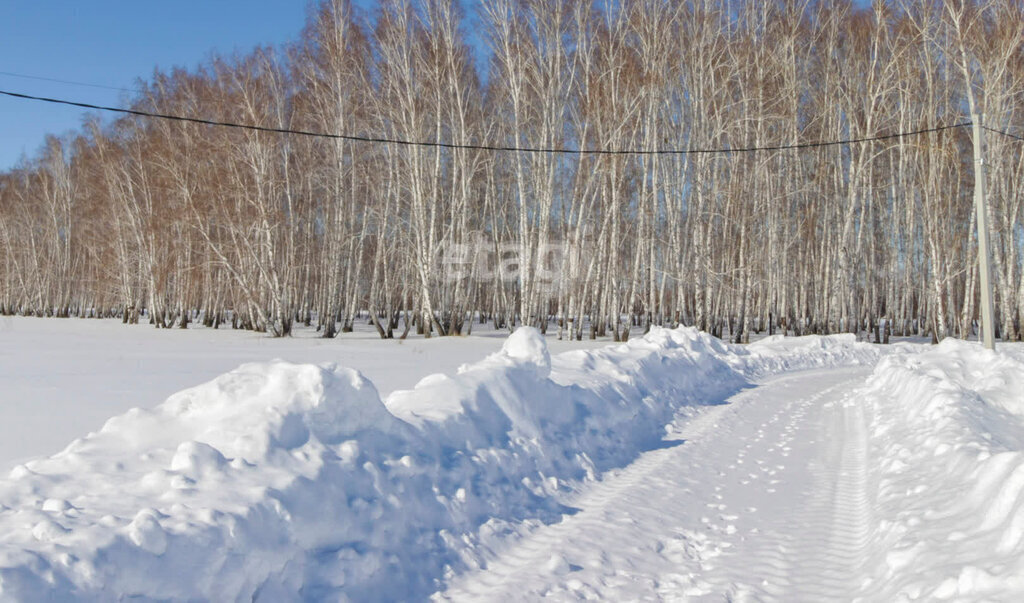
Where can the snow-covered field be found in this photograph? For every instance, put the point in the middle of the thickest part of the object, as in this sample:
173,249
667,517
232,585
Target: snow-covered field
673,467
64,378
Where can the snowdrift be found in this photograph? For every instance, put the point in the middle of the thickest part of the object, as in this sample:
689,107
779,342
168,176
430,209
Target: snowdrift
282,482
948,445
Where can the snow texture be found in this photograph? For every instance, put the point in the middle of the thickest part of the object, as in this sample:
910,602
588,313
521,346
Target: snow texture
64,378
948,447
281,481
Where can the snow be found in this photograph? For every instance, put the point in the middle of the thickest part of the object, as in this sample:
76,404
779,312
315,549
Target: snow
898,482
948,439
670,467
64,377
721,513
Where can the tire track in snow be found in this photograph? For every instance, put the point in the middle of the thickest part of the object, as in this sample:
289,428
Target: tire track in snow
735,513
603,515
777,544
833,570
812,546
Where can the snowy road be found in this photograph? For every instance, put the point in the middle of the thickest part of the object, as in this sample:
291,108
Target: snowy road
764,497
794,469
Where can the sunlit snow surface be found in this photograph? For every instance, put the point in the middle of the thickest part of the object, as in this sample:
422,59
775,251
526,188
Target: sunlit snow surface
60,379
280,481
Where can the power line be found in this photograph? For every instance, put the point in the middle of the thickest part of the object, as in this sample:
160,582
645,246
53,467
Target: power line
482,147
59,81
1007,134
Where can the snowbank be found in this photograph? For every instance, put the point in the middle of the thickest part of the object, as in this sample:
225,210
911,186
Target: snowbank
948,444
279,481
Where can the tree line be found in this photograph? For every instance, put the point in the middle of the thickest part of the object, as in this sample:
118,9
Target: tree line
176,222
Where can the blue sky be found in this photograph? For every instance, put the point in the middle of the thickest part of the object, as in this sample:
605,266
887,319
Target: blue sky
113,43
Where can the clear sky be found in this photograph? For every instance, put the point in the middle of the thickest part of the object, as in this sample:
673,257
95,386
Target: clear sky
114,43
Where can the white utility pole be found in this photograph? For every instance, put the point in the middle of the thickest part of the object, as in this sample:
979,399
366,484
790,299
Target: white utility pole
984,257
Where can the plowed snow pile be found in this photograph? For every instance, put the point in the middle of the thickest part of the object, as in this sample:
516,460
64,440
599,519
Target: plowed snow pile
279,481
948,447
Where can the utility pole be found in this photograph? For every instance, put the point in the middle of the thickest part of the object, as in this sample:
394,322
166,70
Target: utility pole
984,257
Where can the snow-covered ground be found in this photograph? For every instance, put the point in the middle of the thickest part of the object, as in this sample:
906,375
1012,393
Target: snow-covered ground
62,378
673,467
